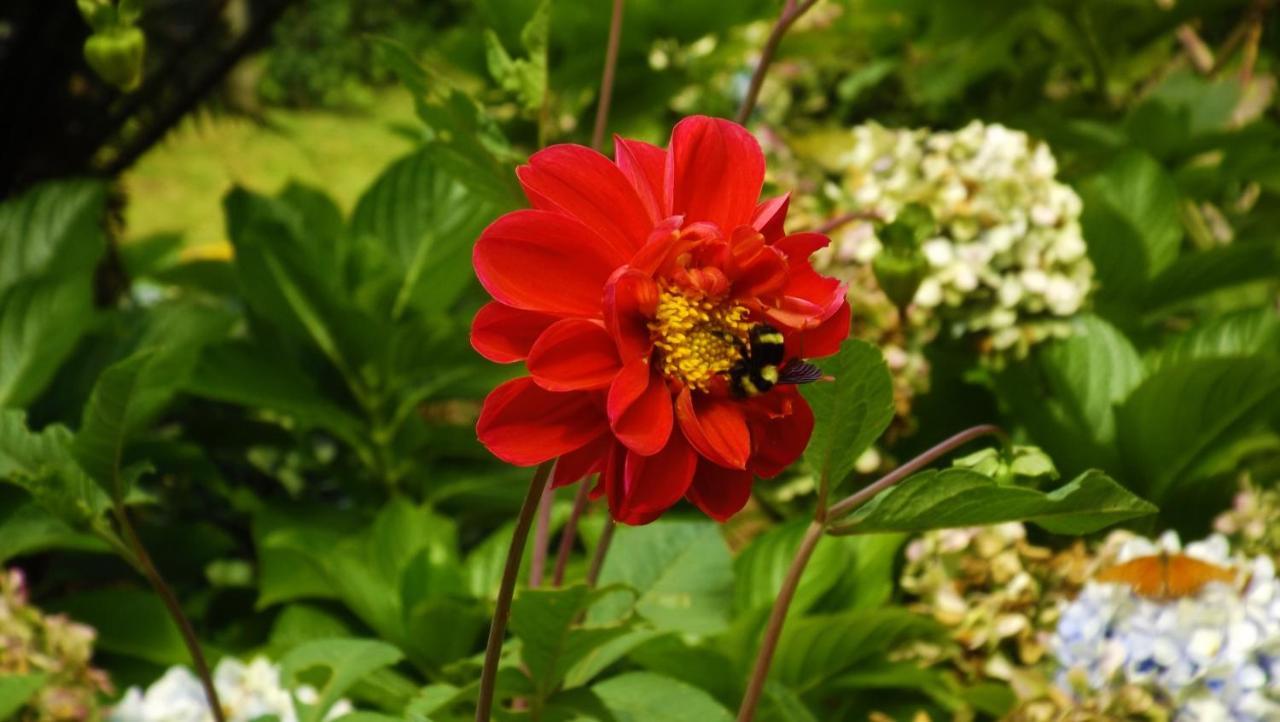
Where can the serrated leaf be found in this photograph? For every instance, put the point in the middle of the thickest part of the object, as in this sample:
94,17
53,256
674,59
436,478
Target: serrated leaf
348,661
543,619
43,465
648,697
960,497
99,444
681,571
1182,414
29,528
850,412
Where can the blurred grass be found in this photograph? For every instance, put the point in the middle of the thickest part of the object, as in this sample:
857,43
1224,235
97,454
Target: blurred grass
178,186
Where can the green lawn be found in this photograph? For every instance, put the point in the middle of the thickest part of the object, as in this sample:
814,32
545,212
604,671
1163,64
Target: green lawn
178,186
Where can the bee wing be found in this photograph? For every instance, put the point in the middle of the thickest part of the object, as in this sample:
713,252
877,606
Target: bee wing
1145,575
799,372
1188,575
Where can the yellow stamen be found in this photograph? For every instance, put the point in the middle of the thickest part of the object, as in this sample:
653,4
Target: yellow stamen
700,338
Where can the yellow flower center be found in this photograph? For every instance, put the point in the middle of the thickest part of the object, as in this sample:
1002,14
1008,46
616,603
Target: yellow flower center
700,338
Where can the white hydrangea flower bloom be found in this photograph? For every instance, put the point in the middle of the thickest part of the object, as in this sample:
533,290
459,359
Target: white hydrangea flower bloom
1214,656
247,692
1009,232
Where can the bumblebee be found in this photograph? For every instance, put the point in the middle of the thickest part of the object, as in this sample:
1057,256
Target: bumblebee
762,364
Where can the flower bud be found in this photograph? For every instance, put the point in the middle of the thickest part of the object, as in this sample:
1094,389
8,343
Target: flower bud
116,56
901,266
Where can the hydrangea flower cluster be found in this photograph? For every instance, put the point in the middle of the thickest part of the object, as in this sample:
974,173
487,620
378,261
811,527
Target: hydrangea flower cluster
33,642
1008,262
247,692
995,592
1250,523
1211,656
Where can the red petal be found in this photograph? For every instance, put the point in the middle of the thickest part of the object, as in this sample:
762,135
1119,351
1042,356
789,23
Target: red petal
574,354
544,261
770,216
645,166
823,340
759,270
630,300
578,181
715,427
640,408
780,435
504,334
652,484
524,424
578,465
799,246
719,492
714,171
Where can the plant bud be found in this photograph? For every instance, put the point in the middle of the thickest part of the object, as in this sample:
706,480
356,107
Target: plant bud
116,56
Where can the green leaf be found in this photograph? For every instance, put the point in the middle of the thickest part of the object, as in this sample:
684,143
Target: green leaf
526,78
1066,398
1196,274
99,445
1182,414
130,622
851,412
16,689
427,217
29,528
551,643
648,697
40,323
241,373
347,660
760,568
959,497
604,655
1248,332
43,465
681,571
1131,221
53,231
819,648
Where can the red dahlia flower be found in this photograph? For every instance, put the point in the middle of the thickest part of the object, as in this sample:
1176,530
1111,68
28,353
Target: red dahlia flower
630,290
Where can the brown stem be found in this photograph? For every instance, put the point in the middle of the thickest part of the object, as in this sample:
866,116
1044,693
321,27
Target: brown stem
791,11
602,548
840,220
502,608
149,570
1196,50
541,537
850,503
570,533
773,630
777,617
606,78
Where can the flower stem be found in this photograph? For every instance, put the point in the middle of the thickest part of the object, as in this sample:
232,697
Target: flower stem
570,533
149,570
791,11
541,537
778,616
773,631
864,495
606,79
602,548
502,609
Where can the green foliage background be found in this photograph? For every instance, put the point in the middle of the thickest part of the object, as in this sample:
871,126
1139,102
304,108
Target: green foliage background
292,426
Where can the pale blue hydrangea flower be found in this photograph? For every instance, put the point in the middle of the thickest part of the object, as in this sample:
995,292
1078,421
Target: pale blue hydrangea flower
1214,656
247,692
